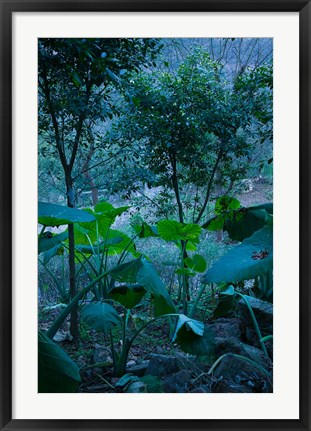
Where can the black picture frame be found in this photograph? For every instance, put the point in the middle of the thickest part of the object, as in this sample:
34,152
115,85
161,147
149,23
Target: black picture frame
7,9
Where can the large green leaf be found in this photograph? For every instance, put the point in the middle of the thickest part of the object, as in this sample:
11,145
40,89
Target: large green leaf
199,344
118,247
268,207
104,245
172,230
49,240
57,215
109,210
56,371
242,222
100,316
85,235
144,230
148,277
195,326
57,250
197,263
129,295
250,259
226,203
226,301
126,272
104,216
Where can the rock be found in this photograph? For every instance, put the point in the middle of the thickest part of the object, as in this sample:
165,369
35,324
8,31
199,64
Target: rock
178,383
165,365
201,390
100,354
236,375
233,345
130,363
114,380
162,365
263,311
61,336
230,386
159,350
227,328
54,307
139,369
256,355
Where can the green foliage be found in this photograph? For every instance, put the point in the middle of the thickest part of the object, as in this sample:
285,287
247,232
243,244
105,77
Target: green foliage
57,250
148,277
187,131
250,259
197,263
226,301
57,215
226,203
100,316
190,324
129,295
48,241
188,127
239,222
196,344
171,230
144,230
57,372
126,272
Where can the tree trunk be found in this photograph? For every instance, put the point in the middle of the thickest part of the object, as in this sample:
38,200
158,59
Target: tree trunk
74,328
185,279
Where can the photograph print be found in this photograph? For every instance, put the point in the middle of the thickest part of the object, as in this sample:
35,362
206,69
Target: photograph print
155,215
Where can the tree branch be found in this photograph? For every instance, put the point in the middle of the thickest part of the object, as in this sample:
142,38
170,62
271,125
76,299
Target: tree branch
209,187
45,87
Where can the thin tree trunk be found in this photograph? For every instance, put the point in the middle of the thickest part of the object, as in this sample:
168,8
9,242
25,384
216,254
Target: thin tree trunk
74,327
209,188
185,290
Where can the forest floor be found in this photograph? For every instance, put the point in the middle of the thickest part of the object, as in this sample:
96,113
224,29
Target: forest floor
154,353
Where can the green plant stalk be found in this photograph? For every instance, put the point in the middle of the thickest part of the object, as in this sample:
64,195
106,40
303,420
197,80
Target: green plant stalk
125,323
266,338
121,258
244,358
102,286
105,381
213,294
197,300
62,292
126,248
113,352
95,290
253,317
266,284
60,319
148,323
104,254
185,278
179,289
80,261
96,256
42,231
120,367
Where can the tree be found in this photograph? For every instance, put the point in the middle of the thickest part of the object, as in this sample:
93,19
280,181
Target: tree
77,80
193,128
